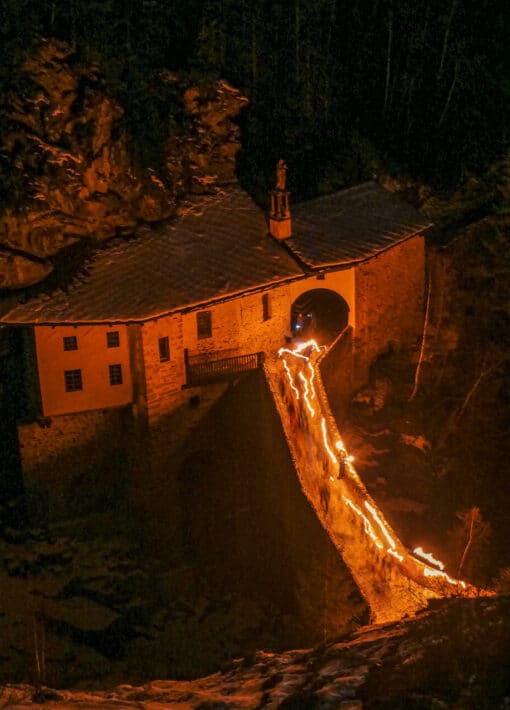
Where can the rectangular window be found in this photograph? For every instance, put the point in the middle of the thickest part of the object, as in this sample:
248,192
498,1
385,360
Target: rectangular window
115,374
70,342
164,349
113,339
73,380
204,324
266,307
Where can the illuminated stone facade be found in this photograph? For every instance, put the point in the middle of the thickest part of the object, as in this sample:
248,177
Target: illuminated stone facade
216,286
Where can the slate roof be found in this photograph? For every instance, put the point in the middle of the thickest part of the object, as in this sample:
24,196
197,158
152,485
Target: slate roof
219,247
351,225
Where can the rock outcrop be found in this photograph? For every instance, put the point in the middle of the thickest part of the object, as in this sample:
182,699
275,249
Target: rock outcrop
70,152
455,655
205,154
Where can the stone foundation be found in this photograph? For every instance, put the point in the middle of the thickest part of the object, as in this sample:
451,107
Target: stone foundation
77,462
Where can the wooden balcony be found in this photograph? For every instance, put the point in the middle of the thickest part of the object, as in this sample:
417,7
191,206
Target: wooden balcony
200,371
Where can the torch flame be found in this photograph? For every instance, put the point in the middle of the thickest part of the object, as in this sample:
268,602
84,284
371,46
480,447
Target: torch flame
326,445
429,557
309,393
305,394
428,572
367,524
400,558
374,514
291,381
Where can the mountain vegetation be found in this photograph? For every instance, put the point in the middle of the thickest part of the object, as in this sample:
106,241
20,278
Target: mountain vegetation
340,90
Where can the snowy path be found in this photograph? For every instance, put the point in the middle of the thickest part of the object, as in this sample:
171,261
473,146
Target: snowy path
392,581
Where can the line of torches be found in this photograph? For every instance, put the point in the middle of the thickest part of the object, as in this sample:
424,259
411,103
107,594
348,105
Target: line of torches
389,546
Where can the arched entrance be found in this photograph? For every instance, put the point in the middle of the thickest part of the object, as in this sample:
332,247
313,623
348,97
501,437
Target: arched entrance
320,313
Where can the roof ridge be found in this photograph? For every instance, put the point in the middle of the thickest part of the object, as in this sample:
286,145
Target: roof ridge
343,191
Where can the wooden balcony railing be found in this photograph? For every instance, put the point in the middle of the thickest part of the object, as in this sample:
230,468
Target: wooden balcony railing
205,371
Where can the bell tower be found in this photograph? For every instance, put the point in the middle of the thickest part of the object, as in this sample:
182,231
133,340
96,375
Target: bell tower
279,216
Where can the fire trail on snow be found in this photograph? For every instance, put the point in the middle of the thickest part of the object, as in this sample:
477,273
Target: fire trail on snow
393,580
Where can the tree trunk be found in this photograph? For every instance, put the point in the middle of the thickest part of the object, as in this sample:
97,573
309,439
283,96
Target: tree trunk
253,49
483,374
408,112
388,61
297,36
469,542
445,40
423,340
450,93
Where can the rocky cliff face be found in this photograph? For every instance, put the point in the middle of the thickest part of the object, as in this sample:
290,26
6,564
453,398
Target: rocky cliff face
69,149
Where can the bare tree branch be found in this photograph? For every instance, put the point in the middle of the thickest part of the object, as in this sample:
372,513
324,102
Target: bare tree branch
423,340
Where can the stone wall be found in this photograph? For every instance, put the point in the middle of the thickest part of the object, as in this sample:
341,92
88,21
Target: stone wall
385,297
389,303
77,461
238,326
163,379
336,370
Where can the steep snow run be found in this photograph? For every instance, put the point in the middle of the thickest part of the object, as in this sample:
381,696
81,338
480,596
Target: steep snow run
392,580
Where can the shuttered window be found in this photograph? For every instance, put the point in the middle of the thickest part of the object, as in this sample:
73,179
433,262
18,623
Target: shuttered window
70,342
266,307
115,374
113,339
204,324
164,349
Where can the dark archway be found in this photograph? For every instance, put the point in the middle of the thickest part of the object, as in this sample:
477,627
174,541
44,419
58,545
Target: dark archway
320,313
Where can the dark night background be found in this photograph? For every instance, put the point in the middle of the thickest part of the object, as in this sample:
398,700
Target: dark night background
341,90
414,91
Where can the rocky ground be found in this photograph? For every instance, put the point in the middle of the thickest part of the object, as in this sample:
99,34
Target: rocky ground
99,606
454,655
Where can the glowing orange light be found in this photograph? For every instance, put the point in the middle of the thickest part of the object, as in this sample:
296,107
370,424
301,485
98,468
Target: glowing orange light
309,393
339,444
367,525
309,343
305,394
429,557
374,514
291,381
292,352
312,370
326,445
428,572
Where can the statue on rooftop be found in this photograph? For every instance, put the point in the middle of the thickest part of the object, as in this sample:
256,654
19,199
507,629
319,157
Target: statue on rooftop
281,170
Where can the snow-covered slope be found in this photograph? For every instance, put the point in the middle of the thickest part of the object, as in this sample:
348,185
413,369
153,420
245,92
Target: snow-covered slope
453,655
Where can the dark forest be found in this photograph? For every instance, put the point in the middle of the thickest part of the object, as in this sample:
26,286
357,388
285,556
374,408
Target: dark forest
342,91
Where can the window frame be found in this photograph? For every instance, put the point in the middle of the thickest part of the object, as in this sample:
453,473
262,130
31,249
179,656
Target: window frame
204,325
266,307
164,348
70,343
73,380
112,339
115,374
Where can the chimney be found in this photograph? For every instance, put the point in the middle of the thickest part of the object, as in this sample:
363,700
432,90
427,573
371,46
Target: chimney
279,217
